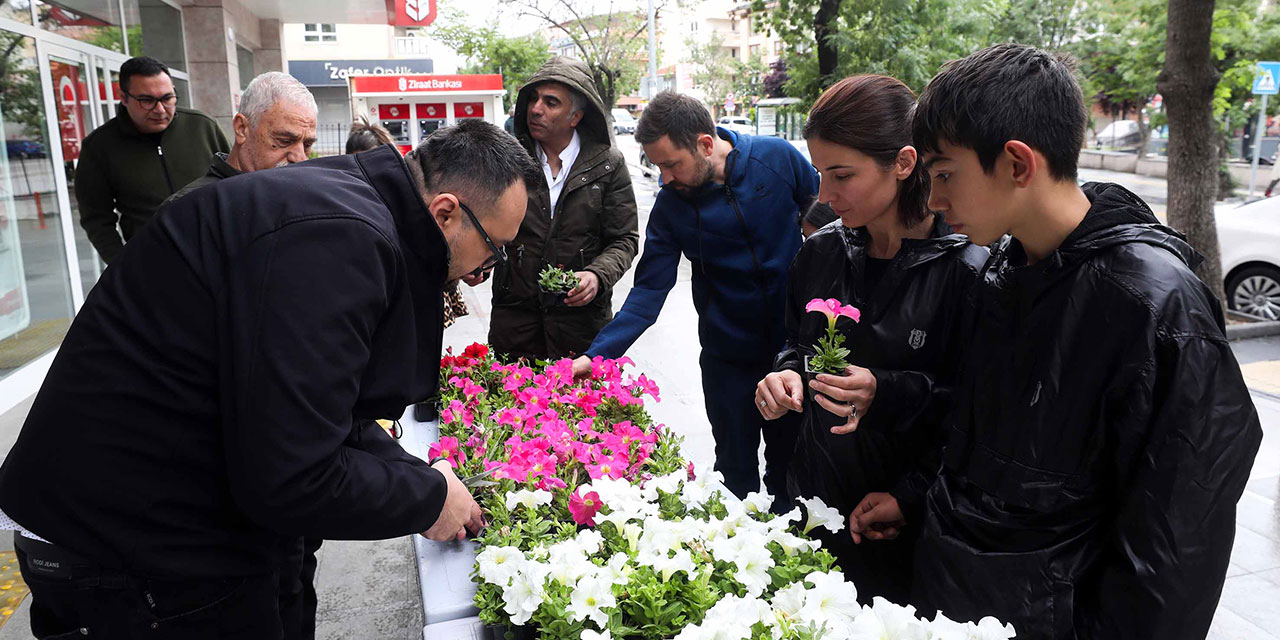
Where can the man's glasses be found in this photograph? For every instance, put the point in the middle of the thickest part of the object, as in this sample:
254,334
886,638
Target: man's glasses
150,102
499,254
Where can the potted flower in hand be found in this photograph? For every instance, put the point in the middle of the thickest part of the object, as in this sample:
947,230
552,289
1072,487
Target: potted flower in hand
829,354
554,283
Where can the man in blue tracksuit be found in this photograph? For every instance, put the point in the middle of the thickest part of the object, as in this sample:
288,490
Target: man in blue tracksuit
729,203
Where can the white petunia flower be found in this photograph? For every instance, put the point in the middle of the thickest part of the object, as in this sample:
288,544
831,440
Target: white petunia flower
523,597
528,499
989,628
590,599
884,619
589,634
498,564
820,515
831,600
758,502
753,562
680,560
789,600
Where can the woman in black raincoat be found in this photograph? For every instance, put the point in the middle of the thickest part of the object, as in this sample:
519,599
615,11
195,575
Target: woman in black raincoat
877,428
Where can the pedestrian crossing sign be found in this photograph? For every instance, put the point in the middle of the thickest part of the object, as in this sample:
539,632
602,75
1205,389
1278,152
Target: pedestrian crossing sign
1267,82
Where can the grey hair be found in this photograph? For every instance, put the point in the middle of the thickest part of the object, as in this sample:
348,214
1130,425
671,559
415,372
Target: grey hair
271,88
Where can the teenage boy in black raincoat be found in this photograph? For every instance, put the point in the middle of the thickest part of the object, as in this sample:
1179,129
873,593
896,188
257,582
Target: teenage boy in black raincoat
1102,432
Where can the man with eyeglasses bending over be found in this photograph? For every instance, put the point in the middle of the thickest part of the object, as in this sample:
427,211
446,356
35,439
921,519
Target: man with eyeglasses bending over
151,149
213,400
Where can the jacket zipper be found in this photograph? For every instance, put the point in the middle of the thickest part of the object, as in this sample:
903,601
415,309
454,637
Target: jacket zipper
167,179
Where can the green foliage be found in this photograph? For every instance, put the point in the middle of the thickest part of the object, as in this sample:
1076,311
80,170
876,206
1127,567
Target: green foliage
721,76
20,86
906,39
556,280
611,43
487,51
829,354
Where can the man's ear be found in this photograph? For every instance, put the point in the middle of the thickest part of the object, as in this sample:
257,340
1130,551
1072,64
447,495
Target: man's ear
1023,162
240,127
706,144
445,210
576,118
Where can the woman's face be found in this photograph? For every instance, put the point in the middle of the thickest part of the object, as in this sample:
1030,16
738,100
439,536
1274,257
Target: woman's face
855,185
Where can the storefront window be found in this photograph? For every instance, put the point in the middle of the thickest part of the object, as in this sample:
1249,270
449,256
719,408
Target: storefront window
96,22
159,26
35,285
16,10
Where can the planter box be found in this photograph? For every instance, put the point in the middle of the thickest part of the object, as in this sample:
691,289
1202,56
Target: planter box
444,568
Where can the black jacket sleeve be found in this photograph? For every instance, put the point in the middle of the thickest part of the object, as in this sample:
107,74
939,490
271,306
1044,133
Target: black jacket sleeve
1182,458
305,302
97,203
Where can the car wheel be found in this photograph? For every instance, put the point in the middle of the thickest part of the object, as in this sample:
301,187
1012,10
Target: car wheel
1256,291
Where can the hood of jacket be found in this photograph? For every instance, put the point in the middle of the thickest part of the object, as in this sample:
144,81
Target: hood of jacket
595,124
1116,216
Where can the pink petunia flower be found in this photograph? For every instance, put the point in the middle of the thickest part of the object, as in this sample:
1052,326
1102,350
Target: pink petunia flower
584,508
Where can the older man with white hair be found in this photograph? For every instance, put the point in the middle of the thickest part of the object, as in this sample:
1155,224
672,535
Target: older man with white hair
275,126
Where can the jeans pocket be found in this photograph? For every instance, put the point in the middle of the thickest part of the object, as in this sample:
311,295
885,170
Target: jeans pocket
233,608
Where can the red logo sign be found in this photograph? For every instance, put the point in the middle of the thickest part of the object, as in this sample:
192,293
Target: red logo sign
425,83
415,13
468,110
393,112
432,111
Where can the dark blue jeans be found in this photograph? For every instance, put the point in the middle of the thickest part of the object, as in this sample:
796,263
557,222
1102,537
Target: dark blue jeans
84,601
729,389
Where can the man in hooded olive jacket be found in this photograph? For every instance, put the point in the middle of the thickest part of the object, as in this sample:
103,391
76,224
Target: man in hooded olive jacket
581,218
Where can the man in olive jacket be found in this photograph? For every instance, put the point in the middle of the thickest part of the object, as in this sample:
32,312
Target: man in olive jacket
152,148
582,217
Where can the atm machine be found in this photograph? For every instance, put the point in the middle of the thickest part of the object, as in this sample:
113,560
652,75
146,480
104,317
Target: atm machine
431,116
395,119
414,105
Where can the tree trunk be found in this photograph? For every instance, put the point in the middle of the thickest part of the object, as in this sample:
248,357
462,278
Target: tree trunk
822,28
1187,84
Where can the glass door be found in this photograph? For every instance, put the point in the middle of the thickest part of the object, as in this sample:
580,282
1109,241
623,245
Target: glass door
78,112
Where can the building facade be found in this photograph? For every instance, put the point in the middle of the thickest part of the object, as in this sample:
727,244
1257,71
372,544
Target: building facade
59,67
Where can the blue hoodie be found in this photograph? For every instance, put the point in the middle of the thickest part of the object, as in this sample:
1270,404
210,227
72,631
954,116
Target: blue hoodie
741,238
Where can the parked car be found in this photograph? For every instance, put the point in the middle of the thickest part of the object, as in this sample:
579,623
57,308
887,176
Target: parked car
24,149
1249,237
623,122
740,124
1121,134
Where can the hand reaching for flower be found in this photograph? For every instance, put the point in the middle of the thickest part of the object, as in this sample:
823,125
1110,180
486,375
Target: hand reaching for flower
877,517
582,367
848,395
778,393
460,512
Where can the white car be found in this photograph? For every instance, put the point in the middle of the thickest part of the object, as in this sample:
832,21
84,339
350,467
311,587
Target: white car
623,121
738,124
1249,237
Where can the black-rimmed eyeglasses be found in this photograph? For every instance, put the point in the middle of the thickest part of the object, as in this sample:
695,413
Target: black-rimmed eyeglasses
150,102
499,254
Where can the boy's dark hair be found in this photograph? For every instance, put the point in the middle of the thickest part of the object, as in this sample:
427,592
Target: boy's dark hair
872,114
141,66
679,117
475,160
1001,93
365,135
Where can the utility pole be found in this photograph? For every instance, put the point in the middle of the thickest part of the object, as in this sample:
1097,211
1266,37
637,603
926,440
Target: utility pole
653,55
